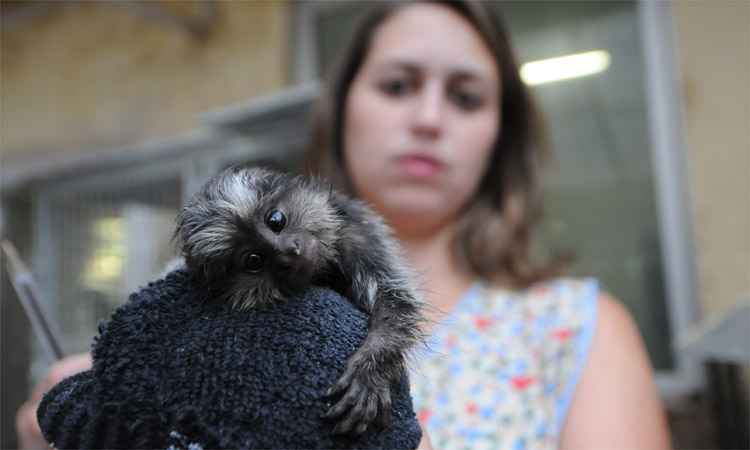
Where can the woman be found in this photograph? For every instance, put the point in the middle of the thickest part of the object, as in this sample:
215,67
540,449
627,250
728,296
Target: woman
428,121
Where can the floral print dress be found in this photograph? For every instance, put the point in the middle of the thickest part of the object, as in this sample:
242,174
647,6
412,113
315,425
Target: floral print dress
501,368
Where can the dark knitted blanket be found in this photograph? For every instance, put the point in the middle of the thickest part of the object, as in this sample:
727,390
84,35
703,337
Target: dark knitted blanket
172,369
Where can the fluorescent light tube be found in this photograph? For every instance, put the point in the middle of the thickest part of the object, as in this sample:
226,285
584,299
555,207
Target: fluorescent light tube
565,67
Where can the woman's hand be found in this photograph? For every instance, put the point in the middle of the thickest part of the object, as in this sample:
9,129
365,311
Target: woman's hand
425,443
27,427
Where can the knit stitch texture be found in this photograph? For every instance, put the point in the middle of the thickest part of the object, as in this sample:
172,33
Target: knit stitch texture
173,369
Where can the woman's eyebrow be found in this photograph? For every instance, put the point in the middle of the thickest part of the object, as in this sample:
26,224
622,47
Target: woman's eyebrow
406,66
463,74
471,71
461,71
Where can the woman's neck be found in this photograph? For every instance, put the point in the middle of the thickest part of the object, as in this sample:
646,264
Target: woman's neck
439,276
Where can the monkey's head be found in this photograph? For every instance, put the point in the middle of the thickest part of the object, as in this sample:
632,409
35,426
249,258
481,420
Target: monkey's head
255,236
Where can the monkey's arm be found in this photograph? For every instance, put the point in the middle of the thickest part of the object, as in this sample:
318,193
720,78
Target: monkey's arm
380,283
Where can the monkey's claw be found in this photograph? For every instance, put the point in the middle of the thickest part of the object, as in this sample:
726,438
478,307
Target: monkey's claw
361,403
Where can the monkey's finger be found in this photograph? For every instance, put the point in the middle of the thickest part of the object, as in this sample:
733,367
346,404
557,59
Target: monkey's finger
345,426
371,411
342,406
355,416
336,390
342,384
384,418
367,410
349,399
362,428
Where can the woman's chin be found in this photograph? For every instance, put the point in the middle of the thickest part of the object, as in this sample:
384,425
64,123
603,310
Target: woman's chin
417,207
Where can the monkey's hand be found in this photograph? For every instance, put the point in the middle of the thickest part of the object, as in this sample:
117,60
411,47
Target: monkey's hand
364,397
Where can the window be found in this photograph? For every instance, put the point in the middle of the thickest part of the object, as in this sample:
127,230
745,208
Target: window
98,242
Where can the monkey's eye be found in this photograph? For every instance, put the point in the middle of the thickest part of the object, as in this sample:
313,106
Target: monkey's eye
253,262
276,220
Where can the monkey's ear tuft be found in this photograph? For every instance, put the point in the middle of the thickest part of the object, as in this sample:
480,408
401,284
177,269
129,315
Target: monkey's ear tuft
176,239
180,236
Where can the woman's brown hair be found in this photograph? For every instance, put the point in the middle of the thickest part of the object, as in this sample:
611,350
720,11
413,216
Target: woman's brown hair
494,232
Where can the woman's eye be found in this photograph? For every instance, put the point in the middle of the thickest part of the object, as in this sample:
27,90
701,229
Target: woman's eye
466,100
394,88
253,262
276,221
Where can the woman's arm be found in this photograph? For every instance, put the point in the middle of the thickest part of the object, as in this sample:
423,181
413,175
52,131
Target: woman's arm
425,443
616,404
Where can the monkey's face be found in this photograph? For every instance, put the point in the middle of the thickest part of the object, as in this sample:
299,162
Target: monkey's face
257,237
273,256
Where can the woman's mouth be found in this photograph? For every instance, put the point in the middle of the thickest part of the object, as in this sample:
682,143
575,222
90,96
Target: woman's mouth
419,165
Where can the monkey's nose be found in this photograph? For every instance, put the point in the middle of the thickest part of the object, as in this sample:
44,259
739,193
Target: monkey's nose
293,248
288,260
284,262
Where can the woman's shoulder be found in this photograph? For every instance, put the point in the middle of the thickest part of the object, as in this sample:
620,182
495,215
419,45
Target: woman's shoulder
617,372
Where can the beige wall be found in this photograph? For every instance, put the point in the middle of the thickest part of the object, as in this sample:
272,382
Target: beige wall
714,51
95,75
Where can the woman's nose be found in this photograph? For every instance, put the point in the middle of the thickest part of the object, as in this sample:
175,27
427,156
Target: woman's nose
428,111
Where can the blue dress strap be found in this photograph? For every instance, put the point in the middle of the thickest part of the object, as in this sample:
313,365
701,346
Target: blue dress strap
587,305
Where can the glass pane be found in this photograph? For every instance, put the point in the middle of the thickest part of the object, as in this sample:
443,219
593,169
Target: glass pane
600,200
108,243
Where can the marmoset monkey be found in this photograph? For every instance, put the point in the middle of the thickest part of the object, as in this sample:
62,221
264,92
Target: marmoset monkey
253,236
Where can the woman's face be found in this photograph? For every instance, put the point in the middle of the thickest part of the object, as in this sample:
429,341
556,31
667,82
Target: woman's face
422,116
